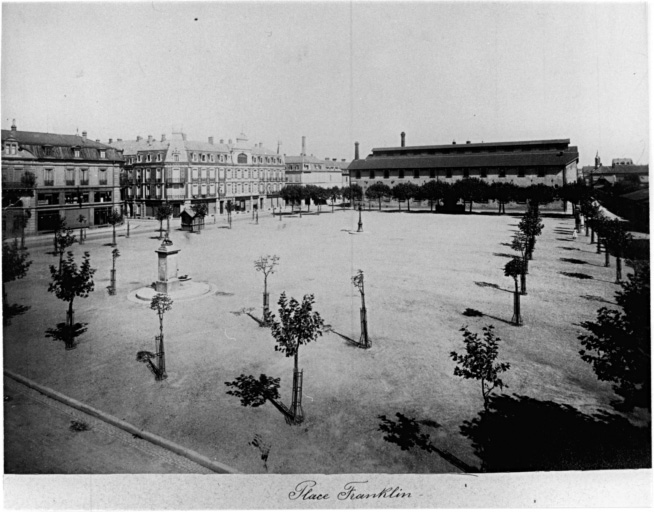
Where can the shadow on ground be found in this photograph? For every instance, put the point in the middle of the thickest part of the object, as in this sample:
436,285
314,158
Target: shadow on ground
520,433
492,285
576,275
12,310
64,333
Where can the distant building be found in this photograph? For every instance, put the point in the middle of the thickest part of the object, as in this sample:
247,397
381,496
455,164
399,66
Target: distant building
621,169
184,172
306,169
548,162
73,175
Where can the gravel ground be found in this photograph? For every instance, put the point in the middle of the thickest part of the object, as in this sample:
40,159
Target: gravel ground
421,272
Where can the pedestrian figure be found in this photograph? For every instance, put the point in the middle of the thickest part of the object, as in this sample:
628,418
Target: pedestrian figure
574,234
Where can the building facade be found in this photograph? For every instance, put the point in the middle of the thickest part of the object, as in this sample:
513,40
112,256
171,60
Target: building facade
547,162
306,169
621,169
46,176
183,172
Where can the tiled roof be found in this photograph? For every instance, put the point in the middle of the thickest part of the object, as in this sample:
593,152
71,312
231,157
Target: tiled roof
531,158
638,195
481,145
60,146
622,169
308,159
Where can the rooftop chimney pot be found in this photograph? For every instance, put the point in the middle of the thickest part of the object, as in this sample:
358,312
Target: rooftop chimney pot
467,142
84,135
402,136
138,138
13,125
111,140
150,139
163,137
211,140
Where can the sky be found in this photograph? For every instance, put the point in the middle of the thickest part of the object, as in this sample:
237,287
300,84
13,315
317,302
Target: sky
336,72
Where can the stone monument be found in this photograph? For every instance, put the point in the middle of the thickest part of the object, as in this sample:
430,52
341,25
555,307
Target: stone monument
167,280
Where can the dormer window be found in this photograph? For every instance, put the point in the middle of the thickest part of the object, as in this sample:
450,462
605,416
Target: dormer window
159,157
76,152
176,157
148,158
47,150
242,158
204,158
194,157
211,158
139,158
103,153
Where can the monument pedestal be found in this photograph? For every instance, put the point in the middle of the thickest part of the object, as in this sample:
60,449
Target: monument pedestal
167,281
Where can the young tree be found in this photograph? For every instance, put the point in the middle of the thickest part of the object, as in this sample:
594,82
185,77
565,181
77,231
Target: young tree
291,194
201,209
81,219
590,211
334,193
617,240
377,191
515,268
298,325
404,192
479,361
59,225
618,345
357,281
162,213
64,239
114,217
470,190
115,254
23,219
69,282
502,193
519,243
531,226
161,303
15,264
353,193
266,265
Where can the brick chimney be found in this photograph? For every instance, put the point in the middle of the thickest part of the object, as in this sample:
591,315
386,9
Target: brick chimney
119,140
304,146
356,150
222,141
150,139
211,140
97,140
402,136
111,140
13,125
138,138
84,135
163,137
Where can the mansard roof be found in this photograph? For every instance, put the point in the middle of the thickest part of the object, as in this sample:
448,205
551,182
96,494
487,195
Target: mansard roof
60,146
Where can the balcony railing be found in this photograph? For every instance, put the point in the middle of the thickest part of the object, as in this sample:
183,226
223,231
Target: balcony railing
48,183
70,183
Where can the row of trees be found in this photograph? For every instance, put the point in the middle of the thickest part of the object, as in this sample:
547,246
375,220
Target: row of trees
469,190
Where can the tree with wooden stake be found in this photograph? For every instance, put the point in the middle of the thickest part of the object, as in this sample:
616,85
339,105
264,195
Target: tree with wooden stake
589,210
161,303
298,325
59,225
519,243
616,240
514,269
114,217
266,264
69,282
64,239
201,210
479,362
599,224
114,255
162,213
357,281
15,264
23,219
531,226
81,219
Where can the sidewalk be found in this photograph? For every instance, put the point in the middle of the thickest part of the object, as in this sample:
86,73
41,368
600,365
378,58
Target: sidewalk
39,440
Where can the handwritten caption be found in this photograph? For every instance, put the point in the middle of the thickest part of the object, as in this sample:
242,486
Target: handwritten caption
308,490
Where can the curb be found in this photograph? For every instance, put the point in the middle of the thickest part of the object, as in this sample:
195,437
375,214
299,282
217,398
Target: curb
216,467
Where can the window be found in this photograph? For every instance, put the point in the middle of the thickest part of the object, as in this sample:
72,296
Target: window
432,173
416,173
84,177
242,158
44,199
47,150
203,158
76,152
358,175
203,173
466,173
483,173
448,173
212,174
401,173
211,158
70,177
159,157
229,174
194,173
194,157
386,174
102,197
148,158
541,172
521,172
502,173
372,175
139,158
103,176
176,158
103,153
221,158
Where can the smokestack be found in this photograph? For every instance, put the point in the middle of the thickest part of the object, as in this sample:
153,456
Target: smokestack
402,136
13,125
356,150
211,140
304,146
163,137
84,135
